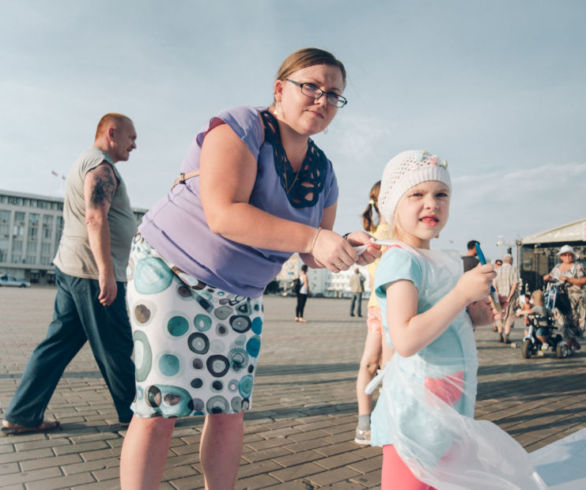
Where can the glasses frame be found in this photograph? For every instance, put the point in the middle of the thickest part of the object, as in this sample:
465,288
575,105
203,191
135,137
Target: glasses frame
317,93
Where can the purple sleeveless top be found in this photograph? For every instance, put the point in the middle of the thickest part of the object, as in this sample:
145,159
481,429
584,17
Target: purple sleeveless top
177,229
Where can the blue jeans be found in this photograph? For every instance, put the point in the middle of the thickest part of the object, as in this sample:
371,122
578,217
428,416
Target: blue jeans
78,317
356,299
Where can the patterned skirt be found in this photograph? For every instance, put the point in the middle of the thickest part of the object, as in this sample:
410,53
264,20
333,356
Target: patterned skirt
195,346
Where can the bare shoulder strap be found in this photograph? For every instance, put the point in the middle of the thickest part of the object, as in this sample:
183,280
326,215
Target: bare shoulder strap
183,176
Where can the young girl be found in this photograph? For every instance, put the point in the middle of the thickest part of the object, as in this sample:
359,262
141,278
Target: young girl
424,416
376,350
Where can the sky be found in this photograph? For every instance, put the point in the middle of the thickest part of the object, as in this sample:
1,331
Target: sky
496,88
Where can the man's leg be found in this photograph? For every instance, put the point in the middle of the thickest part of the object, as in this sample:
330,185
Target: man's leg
359,311
110,337
220,449
45,367
508,320
352,304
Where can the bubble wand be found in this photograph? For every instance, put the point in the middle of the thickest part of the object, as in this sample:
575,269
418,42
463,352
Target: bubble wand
482,259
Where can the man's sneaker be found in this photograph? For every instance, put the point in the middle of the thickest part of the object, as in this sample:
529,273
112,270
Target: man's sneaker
362,437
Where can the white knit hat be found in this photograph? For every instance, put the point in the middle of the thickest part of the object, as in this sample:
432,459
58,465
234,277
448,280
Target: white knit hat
404,171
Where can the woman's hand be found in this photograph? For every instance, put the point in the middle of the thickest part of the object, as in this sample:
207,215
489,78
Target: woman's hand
332,251
372,253
475,284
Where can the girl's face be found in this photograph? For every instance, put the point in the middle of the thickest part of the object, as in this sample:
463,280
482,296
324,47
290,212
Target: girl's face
306,115
422,213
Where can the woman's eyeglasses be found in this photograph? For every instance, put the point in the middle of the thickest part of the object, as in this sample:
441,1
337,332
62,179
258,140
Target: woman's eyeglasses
310,90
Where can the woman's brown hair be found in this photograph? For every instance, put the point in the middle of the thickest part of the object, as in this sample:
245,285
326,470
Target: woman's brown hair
302,58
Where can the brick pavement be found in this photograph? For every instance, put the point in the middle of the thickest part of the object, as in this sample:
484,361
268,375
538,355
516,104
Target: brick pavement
299,434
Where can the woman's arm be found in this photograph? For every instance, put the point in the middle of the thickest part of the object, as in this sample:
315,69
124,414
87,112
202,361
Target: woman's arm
227,176
409,331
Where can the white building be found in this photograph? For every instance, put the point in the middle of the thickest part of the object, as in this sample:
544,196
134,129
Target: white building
30,230
321,281
340,282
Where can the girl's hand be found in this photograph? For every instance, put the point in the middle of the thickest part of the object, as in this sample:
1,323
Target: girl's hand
475,284
372,253
333,251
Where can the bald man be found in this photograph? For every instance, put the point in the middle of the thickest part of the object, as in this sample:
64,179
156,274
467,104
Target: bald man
90,269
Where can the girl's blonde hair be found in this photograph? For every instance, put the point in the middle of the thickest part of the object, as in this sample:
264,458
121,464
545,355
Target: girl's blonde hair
368,222
537,297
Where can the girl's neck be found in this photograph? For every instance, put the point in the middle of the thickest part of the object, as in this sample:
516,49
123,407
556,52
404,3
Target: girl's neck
413,241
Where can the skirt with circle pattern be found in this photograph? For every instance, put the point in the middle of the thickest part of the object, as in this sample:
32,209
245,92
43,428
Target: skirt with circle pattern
195,346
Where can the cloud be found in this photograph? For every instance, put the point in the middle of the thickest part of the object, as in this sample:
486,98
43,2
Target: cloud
514,204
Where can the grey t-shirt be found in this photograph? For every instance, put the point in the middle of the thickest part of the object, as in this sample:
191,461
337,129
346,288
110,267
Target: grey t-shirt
74,256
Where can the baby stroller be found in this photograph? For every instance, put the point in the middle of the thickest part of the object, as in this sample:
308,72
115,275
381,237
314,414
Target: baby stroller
542,328
557,301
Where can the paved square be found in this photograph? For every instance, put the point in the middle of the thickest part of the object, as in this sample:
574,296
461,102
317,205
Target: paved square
299,433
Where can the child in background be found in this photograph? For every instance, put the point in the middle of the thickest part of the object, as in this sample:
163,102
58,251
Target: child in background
376,350
535,306
424,415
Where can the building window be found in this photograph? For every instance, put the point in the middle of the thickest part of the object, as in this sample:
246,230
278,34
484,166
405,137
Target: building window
4,225
47,230
18,229
46,253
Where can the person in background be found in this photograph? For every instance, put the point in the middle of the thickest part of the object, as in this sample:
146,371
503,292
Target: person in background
253,189
357,289
302,294
470,259
376,351
506,284
90,270
572,273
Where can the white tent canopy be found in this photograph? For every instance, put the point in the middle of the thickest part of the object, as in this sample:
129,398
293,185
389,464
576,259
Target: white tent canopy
571,232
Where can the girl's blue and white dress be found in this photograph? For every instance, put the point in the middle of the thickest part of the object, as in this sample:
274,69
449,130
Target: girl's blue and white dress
426,405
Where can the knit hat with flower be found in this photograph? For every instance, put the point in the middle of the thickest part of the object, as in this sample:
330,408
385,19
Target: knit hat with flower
407,170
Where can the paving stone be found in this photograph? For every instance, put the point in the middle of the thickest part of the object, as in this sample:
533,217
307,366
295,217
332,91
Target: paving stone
80,448
341,459
7,468
61,482
98,464
293,472
191,483
26,455
298,458
273,452
333,476
255,482
30,476
34,464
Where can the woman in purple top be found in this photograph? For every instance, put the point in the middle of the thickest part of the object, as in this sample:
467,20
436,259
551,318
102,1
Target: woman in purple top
254,190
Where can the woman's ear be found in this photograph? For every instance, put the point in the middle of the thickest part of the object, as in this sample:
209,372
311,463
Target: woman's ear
278,90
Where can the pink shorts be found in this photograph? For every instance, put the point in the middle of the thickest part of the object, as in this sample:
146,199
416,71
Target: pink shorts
374,320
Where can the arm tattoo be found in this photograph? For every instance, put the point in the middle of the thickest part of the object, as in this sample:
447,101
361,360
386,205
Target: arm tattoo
104,188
